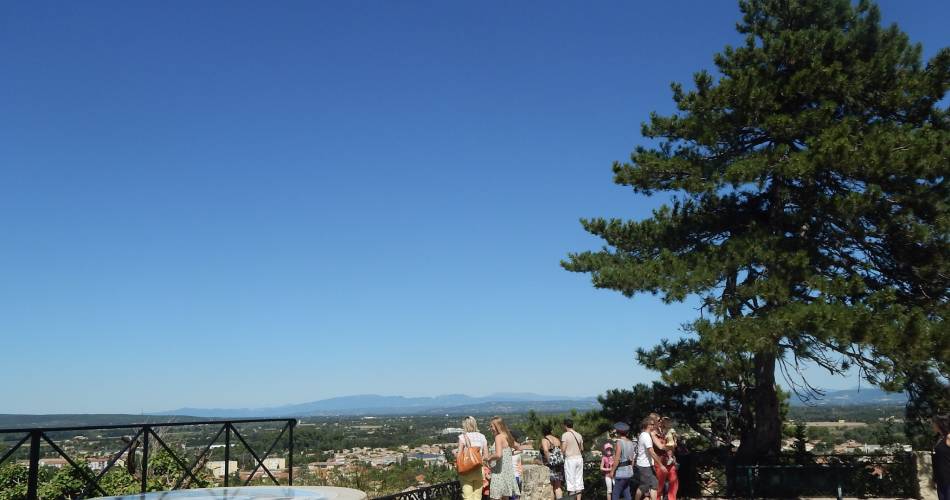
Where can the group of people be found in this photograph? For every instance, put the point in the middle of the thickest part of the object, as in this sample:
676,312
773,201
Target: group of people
645,467
633,469
564,456
500,477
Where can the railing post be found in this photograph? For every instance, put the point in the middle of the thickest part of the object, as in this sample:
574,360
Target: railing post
145,431
751,487
838,481
290,473
34,475
227,453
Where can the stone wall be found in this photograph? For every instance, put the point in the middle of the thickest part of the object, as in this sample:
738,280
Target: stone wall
925,475
536,483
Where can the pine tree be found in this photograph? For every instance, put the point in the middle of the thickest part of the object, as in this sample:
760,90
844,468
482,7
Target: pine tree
808,211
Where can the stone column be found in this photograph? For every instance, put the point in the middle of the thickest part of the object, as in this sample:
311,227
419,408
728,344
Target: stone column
536,483
925,474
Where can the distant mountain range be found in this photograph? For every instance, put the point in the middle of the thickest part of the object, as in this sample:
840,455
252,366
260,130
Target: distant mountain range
856,397
455,404
452,404
372,404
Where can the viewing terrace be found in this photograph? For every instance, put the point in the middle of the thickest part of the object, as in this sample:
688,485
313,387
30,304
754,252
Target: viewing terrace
152,457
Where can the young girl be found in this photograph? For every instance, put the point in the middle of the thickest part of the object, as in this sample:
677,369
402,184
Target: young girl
606,465
503,485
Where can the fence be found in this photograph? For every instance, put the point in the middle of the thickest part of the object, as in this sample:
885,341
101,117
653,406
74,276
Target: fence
443,491
712,474
833,475
143,434
715,474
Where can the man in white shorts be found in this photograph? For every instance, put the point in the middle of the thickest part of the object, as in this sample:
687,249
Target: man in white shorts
572,443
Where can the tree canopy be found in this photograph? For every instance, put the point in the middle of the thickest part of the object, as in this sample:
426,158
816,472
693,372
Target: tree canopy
807,213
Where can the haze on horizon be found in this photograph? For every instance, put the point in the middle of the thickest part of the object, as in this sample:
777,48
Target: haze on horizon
230,205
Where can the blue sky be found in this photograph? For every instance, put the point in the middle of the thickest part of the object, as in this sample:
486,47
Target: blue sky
241,204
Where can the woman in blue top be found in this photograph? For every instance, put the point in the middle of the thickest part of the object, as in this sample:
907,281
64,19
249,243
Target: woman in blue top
625,452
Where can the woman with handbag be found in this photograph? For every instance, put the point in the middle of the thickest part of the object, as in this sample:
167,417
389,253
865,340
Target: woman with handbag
472,446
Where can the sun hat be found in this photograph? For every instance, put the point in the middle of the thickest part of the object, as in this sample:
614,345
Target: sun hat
622,427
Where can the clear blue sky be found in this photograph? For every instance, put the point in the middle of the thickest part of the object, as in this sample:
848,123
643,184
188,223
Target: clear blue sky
241,204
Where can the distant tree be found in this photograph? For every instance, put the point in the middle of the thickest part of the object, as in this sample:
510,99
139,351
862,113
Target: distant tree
13,481
590,425
928,395
65,482
119,482
885,433
801,444
707,417
809,213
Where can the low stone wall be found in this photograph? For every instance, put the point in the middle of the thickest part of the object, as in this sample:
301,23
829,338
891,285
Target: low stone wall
925,474
536,483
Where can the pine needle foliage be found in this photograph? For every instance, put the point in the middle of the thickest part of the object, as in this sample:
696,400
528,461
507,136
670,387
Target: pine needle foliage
808,211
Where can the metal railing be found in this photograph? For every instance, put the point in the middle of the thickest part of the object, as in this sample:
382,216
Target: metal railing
865,476
144,433
451,490
715,475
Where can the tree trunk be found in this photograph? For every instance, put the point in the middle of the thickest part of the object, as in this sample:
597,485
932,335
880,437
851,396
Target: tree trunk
764,441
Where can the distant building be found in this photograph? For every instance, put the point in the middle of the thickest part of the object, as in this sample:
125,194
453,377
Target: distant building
384,461
273,464
260,474
58,463
429,458
97,463
452,430
217,467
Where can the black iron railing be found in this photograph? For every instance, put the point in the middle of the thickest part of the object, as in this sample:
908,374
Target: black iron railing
715,475
143,434
865,476
451,490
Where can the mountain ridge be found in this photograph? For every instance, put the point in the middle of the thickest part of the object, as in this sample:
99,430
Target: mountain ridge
375,404
855,397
